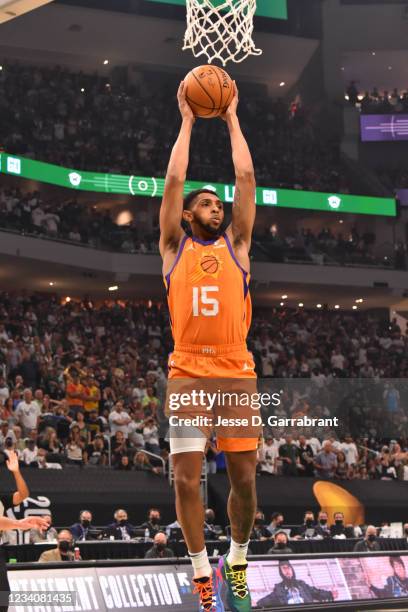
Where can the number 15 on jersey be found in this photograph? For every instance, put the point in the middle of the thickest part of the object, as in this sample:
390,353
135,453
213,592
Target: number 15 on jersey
202,299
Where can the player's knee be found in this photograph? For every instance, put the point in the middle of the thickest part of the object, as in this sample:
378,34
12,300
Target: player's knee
186,484
246,486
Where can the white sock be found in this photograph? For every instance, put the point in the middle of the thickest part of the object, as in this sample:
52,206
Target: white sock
200,563
237,554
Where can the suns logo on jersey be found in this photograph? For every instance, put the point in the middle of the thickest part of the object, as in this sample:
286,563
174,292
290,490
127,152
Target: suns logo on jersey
209,264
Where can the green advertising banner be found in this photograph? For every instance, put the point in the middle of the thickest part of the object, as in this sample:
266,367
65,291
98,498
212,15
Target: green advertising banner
153,187
276,9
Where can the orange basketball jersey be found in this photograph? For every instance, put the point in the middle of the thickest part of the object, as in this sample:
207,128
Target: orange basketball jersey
207,292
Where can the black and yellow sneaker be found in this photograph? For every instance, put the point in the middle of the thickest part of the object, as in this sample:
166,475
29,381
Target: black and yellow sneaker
235,580
208,591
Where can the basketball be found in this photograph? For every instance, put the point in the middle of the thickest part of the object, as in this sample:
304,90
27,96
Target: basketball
209,91
209,264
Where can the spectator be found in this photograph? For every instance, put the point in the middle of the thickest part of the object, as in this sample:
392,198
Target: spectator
211,530
280,546
267,457
75,392
95,453
48,535
82,530
74,449
369,543
306,455
121,529
27,412
326,462
308,528
153,522
142,463
276,523
288,452
259,531
322,528
64,550
339,530
119,420
159,550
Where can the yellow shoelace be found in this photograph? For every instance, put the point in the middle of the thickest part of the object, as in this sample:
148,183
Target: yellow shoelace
238,582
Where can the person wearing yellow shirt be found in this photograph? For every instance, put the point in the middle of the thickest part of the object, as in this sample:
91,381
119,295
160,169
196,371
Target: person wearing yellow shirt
93,394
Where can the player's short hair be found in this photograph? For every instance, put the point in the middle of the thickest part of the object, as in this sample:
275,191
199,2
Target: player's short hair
190,197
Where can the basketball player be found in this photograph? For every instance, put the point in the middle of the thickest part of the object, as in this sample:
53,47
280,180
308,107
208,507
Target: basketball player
210,311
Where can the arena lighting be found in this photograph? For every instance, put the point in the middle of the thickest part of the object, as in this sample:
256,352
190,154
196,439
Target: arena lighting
113,288
282,84
14,8
284,297
373,53
337,306
359,301
67,299
51,284
341,221
282,303
354,307
300,304
318,305
106,62
83,89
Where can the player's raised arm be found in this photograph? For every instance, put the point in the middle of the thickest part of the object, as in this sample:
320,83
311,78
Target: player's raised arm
243,208
171,210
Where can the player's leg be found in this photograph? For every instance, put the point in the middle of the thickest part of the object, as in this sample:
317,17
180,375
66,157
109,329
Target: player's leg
241,467
190,514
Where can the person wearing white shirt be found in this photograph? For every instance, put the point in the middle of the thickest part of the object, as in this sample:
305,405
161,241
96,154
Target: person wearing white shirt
4,390
314,443
337,360
350,450
27,412
119,420
267,456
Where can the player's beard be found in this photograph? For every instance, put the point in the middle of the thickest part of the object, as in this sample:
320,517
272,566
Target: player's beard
213,231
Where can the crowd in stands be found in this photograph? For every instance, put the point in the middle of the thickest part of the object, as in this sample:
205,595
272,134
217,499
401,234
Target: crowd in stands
377,102
280,537
90,122
84,385
28,213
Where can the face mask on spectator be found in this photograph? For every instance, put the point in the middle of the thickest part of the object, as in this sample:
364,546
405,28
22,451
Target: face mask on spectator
122,522
339,522
160,546
323,521
85,523
281,545
371,537
309,522
64,546
154,520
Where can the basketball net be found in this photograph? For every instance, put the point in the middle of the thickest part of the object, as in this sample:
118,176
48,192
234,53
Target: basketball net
221,29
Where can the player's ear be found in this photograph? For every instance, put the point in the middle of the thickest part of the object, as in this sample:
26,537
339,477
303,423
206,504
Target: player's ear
187,216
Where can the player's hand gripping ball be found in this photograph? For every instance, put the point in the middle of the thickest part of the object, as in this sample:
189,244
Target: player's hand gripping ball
209,91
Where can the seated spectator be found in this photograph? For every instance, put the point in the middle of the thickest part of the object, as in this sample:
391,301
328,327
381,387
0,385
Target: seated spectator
159,550
80,425
141,463
307,529
211,530
119,447
29,454
42,462
96,452
94,423
82,530
277,520
280,545
124,464
121,529
306,455
339,529
64,550
74,449
322,528
48,535
153,522
259,531
49,441
370,542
